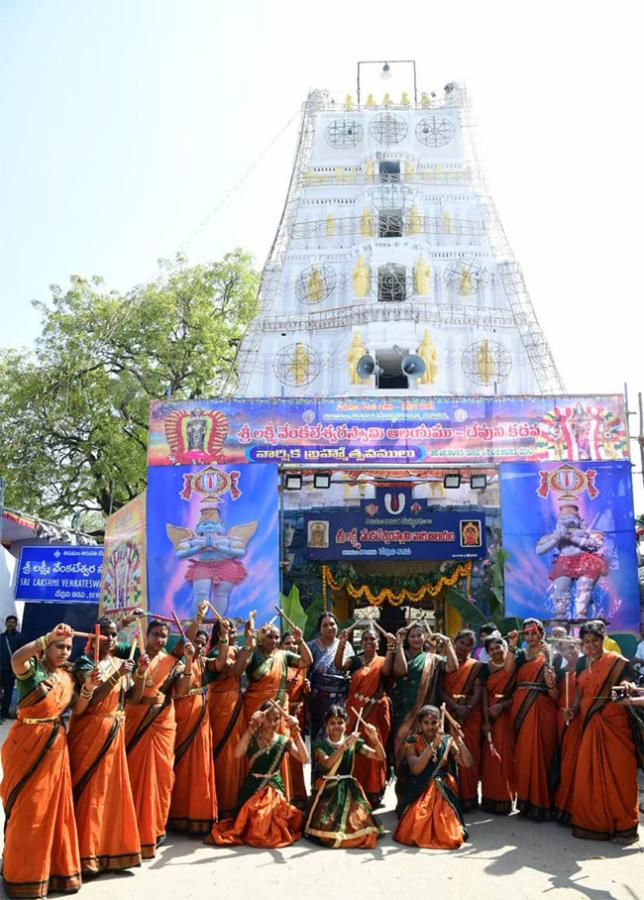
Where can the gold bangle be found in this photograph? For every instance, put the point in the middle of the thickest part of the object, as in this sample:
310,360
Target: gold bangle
223,640
42,643
85,693
140,673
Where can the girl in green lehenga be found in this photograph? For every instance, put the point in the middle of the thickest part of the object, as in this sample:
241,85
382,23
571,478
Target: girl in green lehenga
418,676
264,817
340,814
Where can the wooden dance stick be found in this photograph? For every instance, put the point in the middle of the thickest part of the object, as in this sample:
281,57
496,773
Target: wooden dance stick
97,638
178,624
218,615
161,618
86,634
279,708
359,720
132,648
285,617
443,718
139,637
251,619
355,624
567,690
377,625
450,719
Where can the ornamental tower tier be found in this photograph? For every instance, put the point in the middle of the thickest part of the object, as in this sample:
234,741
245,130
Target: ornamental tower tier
390,271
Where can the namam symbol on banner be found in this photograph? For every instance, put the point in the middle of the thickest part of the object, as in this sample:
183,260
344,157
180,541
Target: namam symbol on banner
578,558
196,436
214,554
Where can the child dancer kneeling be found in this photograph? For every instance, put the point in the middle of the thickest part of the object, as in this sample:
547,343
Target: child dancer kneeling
340,815
431,815
264,816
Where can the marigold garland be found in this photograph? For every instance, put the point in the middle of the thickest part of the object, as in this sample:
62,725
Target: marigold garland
463,570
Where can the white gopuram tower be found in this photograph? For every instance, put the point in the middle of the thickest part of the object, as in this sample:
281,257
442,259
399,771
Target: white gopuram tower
390,272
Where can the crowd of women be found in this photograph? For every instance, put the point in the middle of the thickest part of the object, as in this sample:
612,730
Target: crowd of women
206,737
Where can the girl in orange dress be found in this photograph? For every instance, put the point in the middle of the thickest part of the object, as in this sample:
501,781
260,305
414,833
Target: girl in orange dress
367,697
431,814
297,689
107,830
150,729
462,695
264,816
604,795
534,721
225,665
267,672
194,801
497,772
40,843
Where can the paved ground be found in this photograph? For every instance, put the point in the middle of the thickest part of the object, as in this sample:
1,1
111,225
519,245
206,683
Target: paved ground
505,857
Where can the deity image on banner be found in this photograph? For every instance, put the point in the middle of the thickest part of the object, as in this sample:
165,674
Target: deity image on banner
568,530
213,534
214,556
123,582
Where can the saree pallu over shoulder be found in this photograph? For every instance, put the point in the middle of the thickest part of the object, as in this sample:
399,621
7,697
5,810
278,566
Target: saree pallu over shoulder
150,730
264,818
431,813
366,696
604,797
340,815
534,721
194,801
107,830
41,852
497,776
420,686
460,685
227,726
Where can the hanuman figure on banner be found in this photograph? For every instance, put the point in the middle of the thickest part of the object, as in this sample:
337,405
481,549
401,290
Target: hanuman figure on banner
578,561
215,555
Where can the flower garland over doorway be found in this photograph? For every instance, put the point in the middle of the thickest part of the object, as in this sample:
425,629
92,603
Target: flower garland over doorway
396,598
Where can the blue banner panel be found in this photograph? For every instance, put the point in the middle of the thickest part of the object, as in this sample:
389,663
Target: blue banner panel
50,573
570,534
394,526
213,534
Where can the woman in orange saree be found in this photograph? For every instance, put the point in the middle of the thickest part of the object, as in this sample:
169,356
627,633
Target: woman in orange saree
108,835
431,814
267,672
368,698
497,773
150,729
264,817
40,842
297,688
462,695
534,722
604,796
225,665
194,802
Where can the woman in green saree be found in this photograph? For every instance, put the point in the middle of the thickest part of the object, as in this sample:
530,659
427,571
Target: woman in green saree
264,817
418,677
340,815
431,815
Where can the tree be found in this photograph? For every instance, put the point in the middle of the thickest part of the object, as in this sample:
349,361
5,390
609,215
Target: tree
74,412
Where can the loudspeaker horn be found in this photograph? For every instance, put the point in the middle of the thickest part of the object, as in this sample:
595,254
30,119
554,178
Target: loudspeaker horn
366,366
413,366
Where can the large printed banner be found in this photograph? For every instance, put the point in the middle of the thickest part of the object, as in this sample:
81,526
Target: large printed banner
393,525
569,531
56,573
213,534
123,582
356,431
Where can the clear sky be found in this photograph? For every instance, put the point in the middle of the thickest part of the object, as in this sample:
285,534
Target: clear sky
124,124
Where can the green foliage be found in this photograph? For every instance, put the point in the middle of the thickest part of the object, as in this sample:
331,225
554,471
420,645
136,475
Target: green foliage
290,604
74,412
313,613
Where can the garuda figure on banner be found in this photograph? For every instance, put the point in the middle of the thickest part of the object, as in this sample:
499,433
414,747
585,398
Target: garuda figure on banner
578,561
214,554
